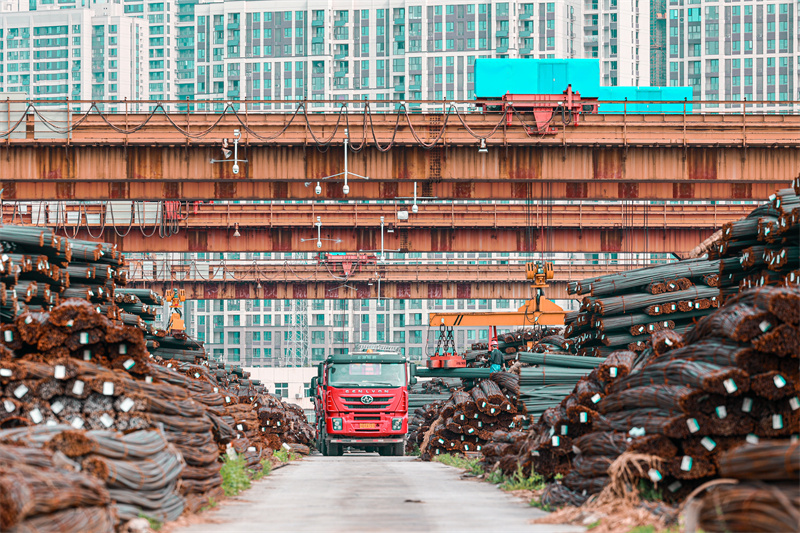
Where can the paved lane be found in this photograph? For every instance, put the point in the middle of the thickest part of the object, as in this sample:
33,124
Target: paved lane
368,493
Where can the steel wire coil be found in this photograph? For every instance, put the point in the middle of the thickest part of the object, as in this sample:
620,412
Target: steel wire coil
74,520
750,508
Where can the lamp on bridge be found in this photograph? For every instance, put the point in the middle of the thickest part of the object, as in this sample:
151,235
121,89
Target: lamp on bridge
236,231
483,149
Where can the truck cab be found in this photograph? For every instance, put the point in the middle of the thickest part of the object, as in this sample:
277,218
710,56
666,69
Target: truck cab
361,401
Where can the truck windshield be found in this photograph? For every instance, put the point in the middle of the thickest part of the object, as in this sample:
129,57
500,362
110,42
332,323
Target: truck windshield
367,375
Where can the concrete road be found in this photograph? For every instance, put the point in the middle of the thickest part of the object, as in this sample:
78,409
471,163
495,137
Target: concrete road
368,493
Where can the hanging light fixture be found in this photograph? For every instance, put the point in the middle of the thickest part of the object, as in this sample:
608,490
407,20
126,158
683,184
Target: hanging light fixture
236,231
483,149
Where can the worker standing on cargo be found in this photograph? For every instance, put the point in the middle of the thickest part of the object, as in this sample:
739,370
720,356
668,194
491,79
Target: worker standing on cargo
496,359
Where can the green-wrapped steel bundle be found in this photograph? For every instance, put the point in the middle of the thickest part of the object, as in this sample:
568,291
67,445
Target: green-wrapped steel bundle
559,360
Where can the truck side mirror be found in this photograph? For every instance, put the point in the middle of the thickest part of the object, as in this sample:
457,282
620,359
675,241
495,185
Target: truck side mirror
412,374
314,384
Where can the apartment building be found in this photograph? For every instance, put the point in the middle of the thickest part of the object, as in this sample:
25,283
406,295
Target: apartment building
734,50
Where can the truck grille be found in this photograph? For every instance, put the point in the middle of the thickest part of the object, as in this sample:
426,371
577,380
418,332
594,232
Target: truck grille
354,402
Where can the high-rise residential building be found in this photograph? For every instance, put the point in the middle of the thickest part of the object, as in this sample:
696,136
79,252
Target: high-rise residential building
734,50
307,49
52,53
617,32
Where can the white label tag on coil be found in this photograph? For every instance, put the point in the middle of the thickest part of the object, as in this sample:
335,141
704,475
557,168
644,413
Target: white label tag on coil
83,338
169,365
57,407
51,422
129,364
106,420
9,406
596,398
764,326
6,372
60,372
612,371
126,405
20,391
777,422
123,349
674,486
36,416
636,432
721,412
694,427
751,438
28,320
87,355
794,403
197,375
77,422
148,379
686,463
730,385
780,381
564,430
251,449
556,440
747,405
77,387
216,389
227,399
654,475
70,323
8,335
708,443
583,417
108,388
239,427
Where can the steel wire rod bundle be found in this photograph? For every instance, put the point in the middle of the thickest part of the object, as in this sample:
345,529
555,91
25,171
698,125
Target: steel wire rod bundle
559,360
633,279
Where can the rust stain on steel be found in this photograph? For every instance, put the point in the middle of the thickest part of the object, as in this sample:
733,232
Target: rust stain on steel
299,291
521,163
628,190
463,189
442,240
366,239
282,239
172,189
10,190
388,189
331,290
54,163
280,190
611,240
333,189
224,190
242,290
435,291
362,291
577,189
682,190
65,190
211,291
607,164
146,162
270,290
403,290
119,190
464,291
526,240
741,190
519,190
701,163
197,240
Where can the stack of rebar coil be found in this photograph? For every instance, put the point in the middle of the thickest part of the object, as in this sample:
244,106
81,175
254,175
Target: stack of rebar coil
683,401
40,493
763,248
467,420
510,343
620,311
420,422
139,471
759,491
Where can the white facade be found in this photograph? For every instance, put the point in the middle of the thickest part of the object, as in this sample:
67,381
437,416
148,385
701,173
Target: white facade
291,384
617,32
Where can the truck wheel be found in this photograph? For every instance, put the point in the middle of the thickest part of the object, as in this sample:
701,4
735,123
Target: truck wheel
335,450
399,450
323,443
386,451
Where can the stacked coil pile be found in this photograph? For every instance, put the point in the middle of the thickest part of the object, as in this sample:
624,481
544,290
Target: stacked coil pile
760,492
509,343
428,391
763,248
682,402
39,493
466,421
38,269
620,311
139,470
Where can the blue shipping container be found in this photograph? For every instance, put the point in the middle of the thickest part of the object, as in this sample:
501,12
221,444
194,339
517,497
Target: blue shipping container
496,77
645,94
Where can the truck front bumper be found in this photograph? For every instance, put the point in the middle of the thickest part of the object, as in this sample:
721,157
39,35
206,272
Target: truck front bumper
366,440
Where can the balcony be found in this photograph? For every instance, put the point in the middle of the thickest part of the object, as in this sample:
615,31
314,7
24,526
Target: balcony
501,33
414,87
501,50
525,33
342,55
340,74
317,40
317,23
340,22
400,20
400,88
400,37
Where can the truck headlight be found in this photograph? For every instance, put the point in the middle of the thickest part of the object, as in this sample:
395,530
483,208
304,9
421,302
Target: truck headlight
397,424
337,424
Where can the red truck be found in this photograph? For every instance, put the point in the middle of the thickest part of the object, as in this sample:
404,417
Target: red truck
361,401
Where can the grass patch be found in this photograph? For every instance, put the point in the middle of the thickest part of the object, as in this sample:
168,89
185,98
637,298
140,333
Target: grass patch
284,456
211,504
519,482
542,506
234,476
266,468
154,524
649,493
593,524
496,477
472,466
415,452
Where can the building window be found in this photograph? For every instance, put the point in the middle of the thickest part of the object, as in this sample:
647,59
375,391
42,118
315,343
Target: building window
415,336
233,337
317,337
256,353
257,336
282,390
234,355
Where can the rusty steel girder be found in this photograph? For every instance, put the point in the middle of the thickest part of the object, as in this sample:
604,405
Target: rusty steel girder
300,290
568,240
